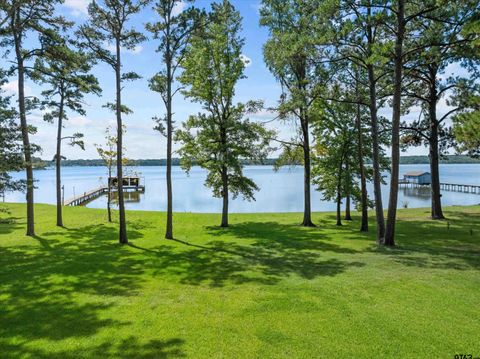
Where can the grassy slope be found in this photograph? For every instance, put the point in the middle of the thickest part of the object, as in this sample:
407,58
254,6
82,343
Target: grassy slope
265,288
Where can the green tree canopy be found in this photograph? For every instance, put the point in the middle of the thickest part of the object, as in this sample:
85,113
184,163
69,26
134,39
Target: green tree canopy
11,158
220,138
467,127
295,54
173,32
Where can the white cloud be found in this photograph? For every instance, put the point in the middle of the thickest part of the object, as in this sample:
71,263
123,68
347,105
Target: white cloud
11,88
36,117
178,8
78,7
80,121
265,114
138,49
246,60
453,70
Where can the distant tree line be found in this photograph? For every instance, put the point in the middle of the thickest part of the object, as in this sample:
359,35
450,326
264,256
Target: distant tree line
155,162
446,159
404,160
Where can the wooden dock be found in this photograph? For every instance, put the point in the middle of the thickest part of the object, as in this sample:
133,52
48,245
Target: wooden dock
452,187
86,197
89,196
464,188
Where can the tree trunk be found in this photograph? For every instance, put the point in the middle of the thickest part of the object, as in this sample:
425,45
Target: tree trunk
437,212
58,161
169,228
27,150
109,194
225,197
339,195
348,216
363,180
307,211
121,205
377,176
397,97
339,209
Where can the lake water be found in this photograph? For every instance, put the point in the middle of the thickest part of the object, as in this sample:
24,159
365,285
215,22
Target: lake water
280,191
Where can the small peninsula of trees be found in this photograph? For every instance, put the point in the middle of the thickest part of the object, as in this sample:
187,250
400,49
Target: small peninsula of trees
360,82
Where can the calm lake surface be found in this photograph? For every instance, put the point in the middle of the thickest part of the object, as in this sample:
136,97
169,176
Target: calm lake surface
280,191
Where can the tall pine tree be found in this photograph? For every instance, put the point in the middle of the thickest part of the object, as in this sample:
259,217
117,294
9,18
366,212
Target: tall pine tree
66,72
108,25
173,30
36,19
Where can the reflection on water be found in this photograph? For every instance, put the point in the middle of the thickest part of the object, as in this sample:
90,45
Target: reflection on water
417,192
280,191
129,197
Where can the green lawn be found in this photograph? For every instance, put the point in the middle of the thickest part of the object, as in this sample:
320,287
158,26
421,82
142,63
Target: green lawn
265,288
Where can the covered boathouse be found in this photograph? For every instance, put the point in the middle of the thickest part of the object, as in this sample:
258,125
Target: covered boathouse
418,177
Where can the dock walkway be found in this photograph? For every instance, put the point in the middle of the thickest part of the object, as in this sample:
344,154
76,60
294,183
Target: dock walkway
97,192
453,187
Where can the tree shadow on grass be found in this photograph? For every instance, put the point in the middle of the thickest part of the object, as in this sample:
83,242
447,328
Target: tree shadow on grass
8,223
129,348
62,288
448,244
98,232
42,291
282,237
262,253
48,292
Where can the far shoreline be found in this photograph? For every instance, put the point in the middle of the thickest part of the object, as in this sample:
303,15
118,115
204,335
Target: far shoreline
409,160
241,213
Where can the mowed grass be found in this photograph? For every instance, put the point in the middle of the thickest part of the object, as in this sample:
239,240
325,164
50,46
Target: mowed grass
264,288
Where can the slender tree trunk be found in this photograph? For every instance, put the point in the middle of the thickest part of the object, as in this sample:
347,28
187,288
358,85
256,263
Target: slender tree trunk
58,161
397,97
121,205
169,228
437,212
377,176
363,180
27,150
339,209
339,195
348,200
225,197
109,194
307,211
224,171
348,197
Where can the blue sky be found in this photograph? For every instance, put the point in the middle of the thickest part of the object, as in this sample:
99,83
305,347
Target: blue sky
141,141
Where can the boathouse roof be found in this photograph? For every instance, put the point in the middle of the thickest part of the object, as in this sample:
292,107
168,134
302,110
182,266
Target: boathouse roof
416,173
